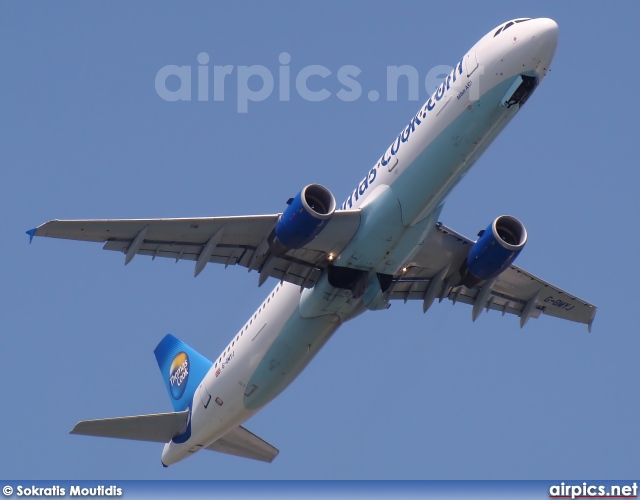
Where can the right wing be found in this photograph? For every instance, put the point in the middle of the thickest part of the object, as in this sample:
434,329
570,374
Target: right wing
242,241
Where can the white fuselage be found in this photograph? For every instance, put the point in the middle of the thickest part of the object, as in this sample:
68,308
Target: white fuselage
400,200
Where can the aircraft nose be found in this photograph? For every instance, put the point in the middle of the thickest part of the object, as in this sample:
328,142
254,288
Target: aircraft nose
547,31
543,41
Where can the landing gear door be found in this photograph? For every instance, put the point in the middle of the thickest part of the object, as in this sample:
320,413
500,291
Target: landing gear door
470,62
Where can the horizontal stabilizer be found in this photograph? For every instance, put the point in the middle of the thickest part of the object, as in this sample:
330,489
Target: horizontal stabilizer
160,428
242,443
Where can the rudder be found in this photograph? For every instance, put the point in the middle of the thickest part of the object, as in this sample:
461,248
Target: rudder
182,368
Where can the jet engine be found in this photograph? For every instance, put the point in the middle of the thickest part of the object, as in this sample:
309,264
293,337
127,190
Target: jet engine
495,250
304,218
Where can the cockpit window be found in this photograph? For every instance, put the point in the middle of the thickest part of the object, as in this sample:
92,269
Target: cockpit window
508,25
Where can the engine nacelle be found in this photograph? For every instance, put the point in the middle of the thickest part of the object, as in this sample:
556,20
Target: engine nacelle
304,218
495,250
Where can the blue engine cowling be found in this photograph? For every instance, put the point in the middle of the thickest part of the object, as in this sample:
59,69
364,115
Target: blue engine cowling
495,250
304,218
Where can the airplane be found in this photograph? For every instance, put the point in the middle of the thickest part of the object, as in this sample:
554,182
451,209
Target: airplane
384,243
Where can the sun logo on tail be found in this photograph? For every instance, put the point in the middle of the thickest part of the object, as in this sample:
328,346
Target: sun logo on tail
179,375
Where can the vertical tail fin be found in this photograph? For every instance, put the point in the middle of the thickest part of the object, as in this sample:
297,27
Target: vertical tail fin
182,368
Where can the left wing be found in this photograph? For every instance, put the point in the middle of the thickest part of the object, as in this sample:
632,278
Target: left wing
432,275
240,241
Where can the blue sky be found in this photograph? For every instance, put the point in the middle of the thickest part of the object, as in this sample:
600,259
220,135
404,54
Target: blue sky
395,394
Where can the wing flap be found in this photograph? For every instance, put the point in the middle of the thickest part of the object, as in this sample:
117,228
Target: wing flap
443,247
159,428
243,443
337,234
